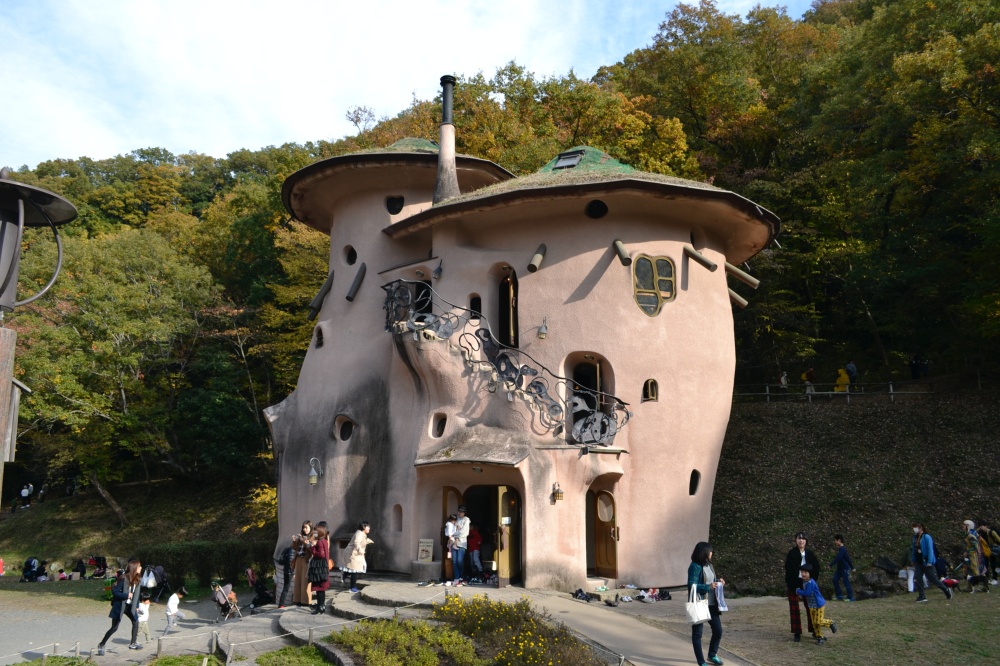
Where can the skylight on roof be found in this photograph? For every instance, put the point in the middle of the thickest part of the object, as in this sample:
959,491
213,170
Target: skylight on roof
568,160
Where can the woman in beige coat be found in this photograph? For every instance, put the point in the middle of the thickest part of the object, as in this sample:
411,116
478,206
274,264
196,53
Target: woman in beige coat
356,554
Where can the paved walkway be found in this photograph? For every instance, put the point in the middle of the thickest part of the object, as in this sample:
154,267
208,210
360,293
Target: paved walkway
26,634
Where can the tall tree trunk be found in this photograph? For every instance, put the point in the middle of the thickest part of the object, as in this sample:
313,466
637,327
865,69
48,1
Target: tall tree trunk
115,506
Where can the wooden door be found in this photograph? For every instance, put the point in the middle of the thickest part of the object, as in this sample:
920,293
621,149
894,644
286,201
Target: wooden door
606,535
508,535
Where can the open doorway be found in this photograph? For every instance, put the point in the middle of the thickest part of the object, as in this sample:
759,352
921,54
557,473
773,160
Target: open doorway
496,512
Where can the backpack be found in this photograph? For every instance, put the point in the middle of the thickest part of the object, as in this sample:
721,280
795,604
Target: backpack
286,556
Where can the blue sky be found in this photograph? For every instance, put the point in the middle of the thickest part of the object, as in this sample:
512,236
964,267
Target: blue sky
98,78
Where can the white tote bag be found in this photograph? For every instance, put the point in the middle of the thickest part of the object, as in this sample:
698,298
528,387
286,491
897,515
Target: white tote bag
697,610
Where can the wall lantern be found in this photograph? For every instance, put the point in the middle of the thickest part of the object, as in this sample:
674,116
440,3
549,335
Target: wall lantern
437,271
315,471
557,493
543,330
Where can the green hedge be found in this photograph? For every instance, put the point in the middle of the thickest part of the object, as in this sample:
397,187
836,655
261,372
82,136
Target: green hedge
211,560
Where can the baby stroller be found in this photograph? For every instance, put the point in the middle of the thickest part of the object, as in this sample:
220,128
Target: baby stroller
100,564
31,570
226,600
263,596
154,579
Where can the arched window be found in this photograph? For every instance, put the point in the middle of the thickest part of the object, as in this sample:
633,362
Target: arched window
507,314
649,391
693,483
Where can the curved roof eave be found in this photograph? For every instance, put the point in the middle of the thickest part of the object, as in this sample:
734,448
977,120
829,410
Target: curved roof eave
325,168
447,211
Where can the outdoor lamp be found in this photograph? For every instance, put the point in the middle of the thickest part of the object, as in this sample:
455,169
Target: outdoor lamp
436,274
557,492
543,330
315,471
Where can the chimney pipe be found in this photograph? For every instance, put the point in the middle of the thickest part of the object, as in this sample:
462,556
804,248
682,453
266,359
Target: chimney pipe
447,177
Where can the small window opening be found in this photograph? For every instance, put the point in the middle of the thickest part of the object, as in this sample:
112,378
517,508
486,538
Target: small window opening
423,297
394,205
568,160
440,421
350,255
343,428
319,337
476,306
596,209
695,480
649,391
397,518
342,543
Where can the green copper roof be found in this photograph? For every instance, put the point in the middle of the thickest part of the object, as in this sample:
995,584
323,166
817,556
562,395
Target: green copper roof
592,161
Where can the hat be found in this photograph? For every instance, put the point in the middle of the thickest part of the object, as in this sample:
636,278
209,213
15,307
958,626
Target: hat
968,523
461,508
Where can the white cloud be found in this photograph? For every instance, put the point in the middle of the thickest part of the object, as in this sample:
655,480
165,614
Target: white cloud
99,79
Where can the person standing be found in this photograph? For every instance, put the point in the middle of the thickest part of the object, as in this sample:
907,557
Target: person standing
319,569
125,599
701,575
475,546
852,376
843,566
302,543
922,556
356,562
973,550
809,377
991,540
142,615
25,497
798,557
461,544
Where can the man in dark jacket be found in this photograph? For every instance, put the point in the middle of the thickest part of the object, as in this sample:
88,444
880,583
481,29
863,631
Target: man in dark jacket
798,557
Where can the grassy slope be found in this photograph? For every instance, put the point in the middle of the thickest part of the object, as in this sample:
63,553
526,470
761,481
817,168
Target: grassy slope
64,529
866,470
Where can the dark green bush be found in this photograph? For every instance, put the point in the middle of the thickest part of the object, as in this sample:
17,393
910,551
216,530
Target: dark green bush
210,560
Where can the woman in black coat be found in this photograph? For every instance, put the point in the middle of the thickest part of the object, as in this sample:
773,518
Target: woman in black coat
796,557
125,599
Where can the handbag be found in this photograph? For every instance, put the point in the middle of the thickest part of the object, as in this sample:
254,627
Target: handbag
697,609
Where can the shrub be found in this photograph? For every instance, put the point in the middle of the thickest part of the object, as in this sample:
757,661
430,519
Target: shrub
206,560
514,634
407,643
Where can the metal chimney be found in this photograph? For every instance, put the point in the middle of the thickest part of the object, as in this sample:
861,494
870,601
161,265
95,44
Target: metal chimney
447,178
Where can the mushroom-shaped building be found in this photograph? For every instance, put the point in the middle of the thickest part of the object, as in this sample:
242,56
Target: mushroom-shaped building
554,351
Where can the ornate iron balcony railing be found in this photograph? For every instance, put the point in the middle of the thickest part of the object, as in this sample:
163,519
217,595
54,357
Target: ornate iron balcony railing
596,416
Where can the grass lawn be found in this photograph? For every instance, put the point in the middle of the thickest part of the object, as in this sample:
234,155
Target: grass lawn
892,631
